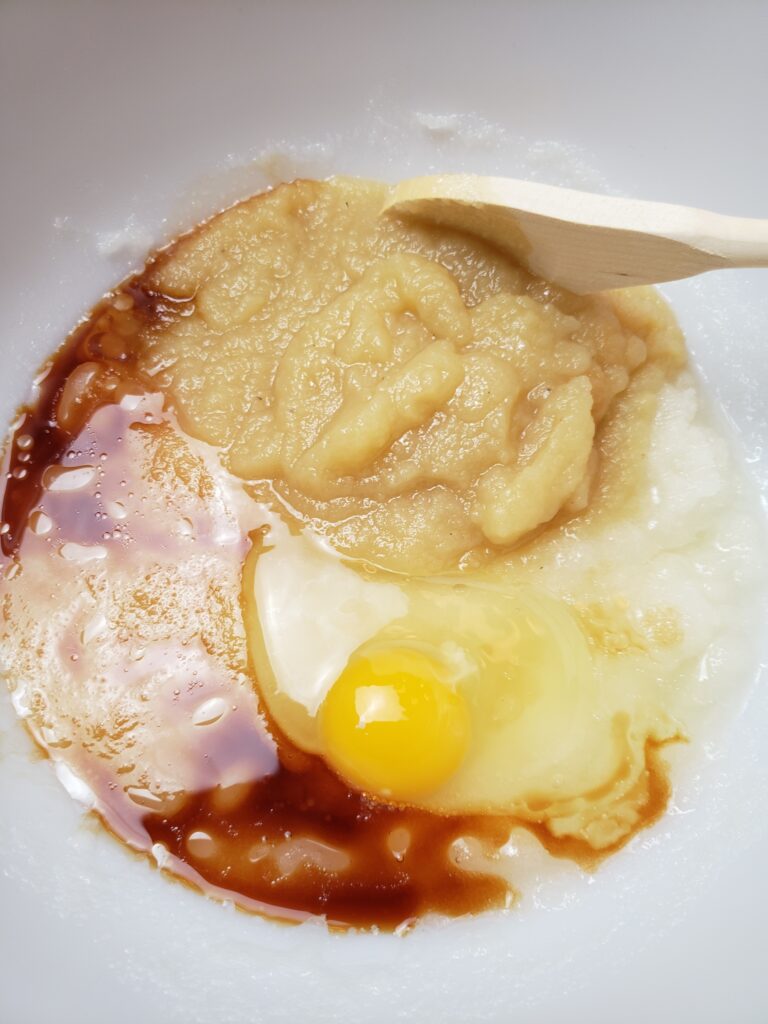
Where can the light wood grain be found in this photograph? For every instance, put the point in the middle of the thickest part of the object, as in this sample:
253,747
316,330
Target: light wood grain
583,241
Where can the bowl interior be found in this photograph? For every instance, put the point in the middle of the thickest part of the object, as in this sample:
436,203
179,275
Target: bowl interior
131,122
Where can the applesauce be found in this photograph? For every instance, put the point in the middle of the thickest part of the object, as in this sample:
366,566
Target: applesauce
408,390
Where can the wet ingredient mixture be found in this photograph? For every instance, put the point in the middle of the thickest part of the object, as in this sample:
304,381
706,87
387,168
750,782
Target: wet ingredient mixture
313,561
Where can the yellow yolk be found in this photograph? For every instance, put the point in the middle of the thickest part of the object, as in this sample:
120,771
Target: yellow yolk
392,727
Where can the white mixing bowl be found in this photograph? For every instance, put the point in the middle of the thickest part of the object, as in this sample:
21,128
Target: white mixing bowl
123,122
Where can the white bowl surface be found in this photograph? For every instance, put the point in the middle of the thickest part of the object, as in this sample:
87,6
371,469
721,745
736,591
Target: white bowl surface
124,122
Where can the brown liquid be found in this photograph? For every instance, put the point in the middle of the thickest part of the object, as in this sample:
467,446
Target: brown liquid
291,840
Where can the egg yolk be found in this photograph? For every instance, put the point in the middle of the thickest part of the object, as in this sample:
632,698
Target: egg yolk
392,726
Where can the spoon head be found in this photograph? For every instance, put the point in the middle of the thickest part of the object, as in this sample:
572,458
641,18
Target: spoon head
583,242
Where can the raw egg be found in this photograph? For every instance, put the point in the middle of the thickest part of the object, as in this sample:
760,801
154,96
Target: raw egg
455,695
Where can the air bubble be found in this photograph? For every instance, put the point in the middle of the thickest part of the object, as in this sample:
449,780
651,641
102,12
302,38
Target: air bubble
59,478
200,844
82,552
25,442
210,711
116,509
18,472
398,841
143,797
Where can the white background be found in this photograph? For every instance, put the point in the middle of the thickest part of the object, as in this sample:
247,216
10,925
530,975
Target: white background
120,122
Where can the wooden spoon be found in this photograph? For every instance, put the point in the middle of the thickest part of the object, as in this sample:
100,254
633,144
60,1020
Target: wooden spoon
582,241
